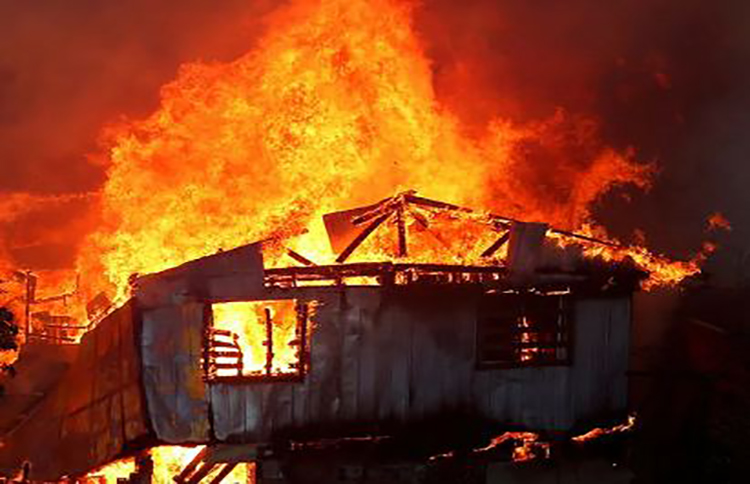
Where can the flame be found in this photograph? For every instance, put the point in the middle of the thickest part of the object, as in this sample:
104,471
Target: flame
599,432
247,320
112,471
527,446
169,461
334,109
662,271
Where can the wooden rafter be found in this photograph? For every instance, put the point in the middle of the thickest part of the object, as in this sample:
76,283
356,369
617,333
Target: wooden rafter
398,206
361,238
490,251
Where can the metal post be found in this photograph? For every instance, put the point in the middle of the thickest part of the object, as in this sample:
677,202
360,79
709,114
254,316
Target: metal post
269,342
30,290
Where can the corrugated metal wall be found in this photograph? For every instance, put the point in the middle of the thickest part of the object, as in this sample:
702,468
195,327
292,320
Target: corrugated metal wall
408,355
94,410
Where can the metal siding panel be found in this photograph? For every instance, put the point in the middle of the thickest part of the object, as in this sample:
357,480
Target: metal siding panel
172,373
351,319
600,356
228,410
425,367
300,411
367,372
80,425
398,348
253,402
278,404
134,413
235,274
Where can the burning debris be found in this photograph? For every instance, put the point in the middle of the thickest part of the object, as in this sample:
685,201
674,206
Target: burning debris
599,432
528,446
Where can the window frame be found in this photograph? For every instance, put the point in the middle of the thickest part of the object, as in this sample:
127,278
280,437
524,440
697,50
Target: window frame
563,333
303,329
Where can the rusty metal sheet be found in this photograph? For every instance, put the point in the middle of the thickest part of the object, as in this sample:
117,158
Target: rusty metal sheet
81,423
525,249
341,230
230,275
172,373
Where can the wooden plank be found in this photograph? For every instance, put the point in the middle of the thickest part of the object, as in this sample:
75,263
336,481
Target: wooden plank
361,238
496,245
299,258
401,225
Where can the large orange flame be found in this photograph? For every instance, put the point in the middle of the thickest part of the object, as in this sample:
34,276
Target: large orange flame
335,108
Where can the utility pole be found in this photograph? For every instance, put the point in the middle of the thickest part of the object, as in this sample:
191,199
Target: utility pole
30,296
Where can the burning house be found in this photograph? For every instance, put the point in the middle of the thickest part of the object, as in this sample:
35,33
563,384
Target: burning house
258,353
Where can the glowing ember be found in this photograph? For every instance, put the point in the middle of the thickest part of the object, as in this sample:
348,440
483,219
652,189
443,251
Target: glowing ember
599,432
718,221
528,446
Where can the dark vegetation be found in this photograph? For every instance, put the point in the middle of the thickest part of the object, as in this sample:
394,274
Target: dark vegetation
8,338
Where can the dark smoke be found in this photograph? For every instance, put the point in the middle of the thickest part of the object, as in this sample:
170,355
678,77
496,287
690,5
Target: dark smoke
668,78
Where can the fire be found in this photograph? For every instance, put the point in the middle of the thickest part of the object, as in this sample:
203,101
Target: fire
527,446
248,321
112,471
168,461
334,109
662,270
599,432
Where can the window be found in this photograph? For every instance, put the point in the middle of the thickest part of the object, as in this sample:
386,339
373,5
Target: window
516,330
262,340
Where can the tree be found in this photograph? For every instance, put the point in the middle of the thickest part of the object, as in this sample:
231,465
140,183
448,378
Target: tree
8,330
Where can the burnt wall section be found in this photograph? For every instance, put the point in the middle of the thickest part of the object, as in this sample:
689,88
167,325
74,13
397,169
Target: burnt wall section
92,414
404,355
231,275
172,346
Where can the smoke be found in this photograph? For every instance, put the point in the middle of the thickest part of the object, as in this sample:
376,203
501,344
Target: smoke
69,68
667,78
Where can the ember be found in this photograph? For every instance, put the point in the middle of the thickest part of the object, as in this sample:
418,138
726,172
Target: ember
718,221
599,432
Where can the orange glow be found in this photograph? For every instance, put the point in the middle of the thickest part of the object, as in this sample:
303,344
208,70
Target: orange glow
662,270
334,109
599,432
526,354
717,221
112,471
169,461
528,446
247,320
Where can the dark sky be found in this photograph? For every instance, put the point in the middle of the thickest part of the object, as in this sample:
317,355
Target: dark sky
669,78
